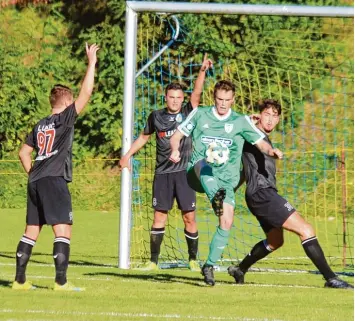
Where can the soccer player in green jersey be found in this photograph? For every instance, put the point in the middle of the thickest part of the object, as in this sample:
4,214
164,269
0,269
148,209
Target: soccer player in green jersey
273,212
222,125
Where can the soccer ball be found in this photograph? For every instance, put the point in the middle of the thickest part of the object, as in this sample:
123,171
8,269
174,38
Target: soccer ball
217,153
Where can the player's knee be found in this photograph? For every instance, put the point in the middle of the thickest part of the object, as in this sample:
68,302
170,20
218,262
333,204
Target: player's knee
226,223
307,231
275,244
189,219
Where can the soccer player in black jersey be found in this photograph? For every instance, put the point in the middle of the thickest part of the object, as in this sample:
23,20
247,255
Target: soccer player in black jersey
48,197
273,212
170,180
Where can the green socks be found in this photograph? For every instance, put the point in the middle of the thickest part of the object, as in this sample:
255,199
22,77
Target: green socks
219,242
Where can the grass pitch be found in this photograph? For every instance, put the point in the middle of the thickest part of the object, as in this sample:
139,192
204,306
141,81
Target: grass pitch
114,294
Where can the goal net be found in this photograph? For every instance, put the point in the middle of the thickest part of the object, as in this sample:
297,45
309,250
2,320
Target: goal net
306,63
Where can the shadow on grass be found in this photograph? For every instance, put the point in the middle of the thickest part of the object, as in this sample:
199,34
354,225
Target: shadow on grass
36,258
155,277
5,283
8,284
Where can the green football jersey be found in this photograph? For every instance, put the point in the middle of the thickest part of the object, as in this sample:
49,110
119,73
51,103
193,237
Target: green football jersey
206,125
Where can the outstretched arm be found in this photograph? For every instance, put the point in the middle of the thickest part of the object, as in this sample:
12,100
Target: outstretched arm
174,145
136,146
25,157
88,83
198,88
267,149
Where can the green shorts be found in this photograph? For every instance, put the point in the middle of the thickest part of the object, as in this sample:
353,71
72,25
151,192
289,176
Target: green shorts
193,179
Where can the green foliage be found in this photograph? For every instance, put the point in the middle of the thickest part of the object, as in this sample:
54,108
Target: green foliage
306,63
35,54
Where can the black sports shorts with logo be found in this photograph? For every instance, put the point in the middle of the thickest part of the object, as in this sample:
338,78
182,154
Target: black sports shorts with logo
170,186
49,202
270,209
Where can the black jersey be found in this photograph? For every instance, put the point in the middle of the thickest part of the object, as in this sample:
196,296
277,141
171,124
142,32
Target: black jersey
259,169
164,125
52,138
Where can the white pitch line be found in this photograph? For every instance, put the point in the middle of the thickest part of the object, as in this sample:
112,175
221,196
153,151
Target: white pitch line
138,315
255,285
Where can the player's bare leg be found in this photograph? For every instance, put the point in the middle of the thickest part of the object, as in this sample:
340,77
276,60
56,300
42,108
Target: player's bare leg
191,236
296,224
23,254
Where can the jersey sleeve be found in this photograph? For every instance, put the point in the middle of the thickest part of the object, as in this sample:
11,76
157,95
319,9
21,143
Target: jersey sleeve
30,139
149,126
69,115
189,124
249,131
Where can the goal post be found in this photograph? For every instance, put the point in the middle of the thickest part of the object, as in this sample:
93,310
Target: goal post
132,10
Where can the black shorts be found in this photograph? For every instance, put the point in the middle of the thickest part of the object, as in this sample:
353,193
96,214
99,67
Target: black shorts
49,202
270,209
167,187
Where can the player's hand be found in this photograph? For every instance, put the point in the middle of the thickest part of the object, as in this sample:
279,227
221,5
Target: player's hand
175,156
277,153
91,52
124,162
255,118
206,63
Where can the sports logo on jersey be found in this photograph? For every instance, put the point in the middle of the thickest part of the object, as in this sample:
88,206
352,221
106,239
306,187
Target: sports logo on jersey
168,133
205,126
189,126
228,128
171,118
178,118
209,139
154,201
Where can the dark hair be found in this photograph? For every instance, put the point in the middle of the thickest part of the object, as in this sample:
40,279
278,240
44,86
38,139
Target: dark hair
269,103
59,92
224,85
173,86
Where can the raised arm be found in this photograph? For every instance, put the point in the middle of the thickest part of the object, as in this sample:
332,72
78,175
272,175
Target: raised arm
198,87
174,145
136,146
267,149
88,83
25,157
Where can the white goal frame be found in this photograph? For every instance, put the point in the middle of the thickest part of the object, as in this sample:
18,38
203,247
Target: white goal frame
132,10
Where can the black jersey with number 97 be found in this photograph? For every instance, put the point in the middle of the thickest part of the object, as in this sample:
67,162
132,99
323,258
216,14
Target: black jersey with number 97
52,139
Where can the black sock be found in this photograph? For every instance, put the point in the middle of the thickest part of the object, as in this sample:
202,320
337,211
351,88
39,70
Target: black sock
259,251
23,254
61,251
156,237
315,253
192,244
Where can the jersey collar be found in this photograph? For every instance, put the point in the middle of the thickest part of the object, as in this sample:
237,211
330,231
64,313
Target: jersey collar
219,117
